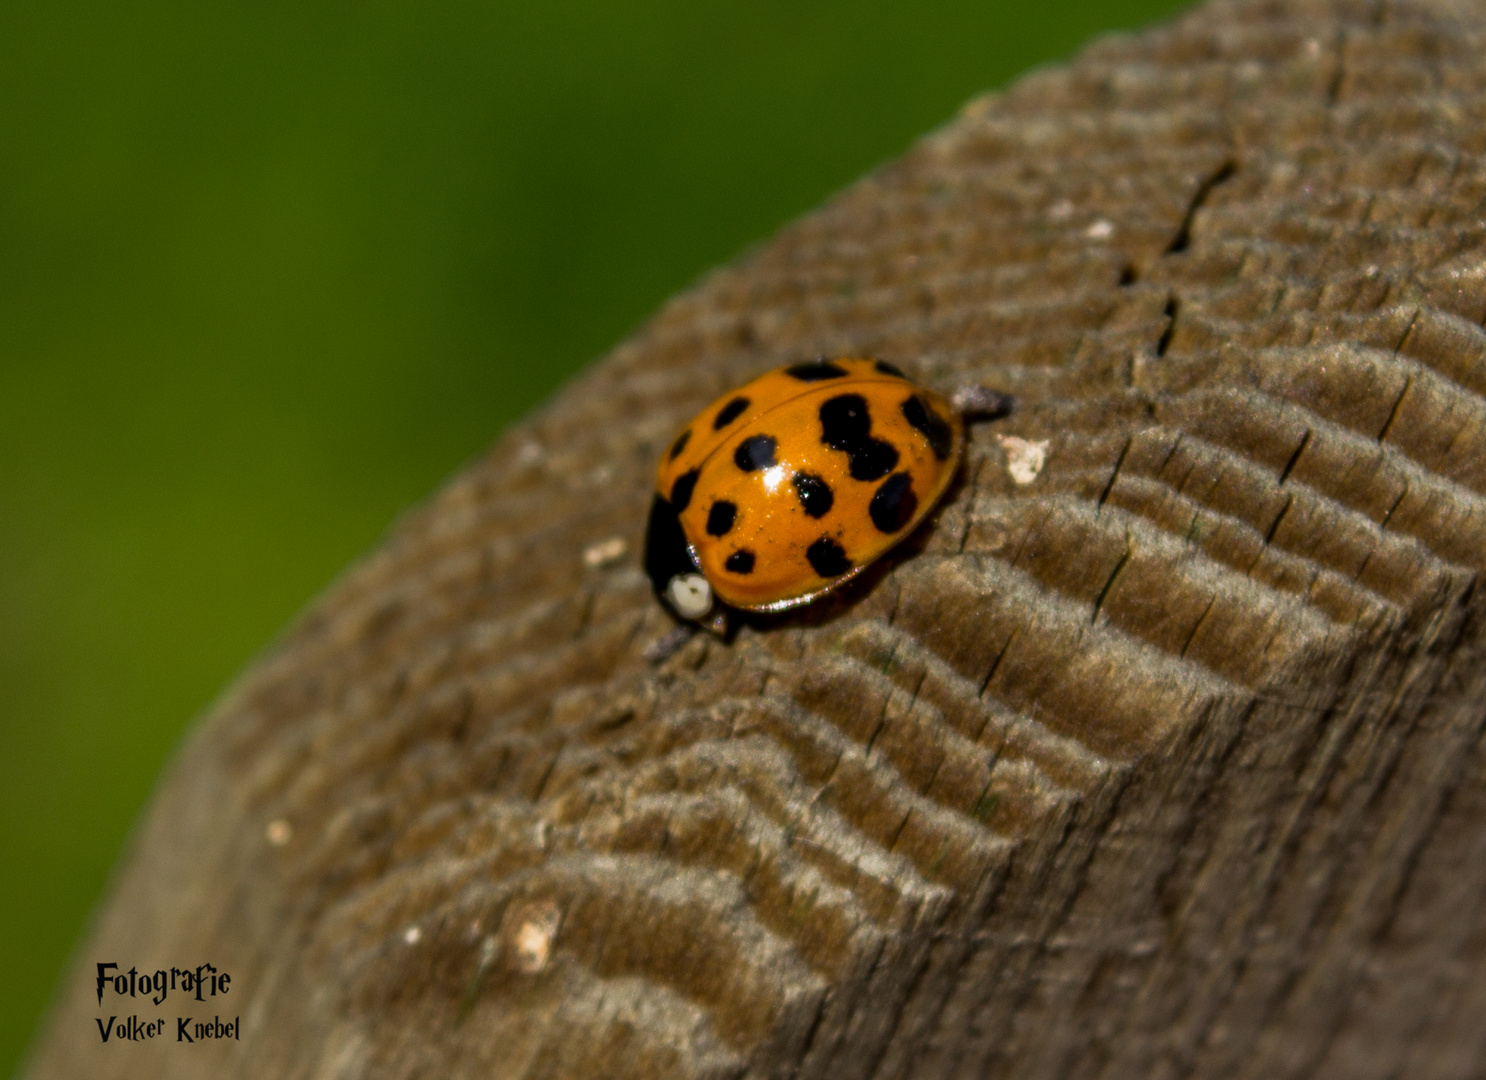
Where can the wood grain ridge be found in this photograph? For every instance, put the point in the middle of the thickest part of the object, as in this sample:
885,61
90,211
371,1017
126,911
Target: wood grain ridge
1166,762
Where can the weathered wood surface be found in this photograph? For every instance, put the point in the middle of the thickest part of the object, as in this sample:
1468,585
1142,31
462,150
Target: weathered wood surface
1167,763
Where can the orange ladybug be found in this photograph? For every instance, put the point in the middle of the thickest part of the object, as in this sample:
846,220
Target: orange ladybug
789,486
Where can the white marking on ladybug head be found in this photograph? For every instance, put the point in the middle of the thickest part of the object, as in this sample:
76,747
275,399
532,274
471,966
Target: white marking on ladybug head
690,595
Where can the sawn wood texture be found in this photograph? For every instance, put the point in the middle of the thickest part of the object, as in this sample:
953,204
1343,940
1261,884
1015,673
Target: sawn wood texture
1166,762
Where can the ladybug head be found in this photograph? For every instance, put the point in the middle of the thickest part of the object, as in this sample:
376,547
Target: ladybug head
673,570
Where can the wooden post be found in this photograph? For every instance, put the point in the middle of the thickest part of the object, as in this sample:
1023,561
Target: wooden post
1156,754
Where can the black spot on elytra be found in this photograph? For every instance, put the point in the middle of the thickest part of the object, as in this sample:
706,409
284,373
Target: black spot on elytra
933,426
888,369
815,371
730,412
894,503
681,490
755,452
680,444
846,425
815,494
721,517
739,562
827,558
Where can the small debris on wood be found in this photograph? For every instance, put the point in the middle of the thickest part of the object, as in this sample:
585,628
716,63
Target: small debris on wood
536,927
1024,458
605,552
978,403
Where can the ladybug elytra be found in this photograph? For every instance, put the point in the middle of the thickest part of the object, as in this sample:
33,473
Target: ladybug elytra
786,488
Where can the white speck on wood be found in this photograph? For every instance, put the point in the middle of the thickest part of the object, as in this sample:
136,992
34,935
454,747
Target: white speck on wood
536,926
1024,458
605,552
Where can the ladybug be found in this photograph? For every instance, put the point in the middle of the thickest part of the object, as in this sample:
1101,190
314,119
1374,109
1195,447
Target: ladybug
788,487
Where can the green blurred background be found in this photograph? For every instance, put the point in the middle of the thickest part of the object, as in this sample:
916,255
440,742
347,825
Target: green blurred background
269,271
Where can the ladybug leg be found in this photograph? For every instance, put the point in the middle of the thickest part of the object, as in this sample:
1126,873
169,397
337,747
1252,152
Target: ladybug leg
669,643
718,623
977,403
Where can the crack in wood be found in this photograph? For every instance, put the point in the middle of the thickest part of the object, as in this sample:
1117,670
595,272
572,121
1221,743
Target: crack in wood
1305,441
1109,583
1170,311
1183,238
